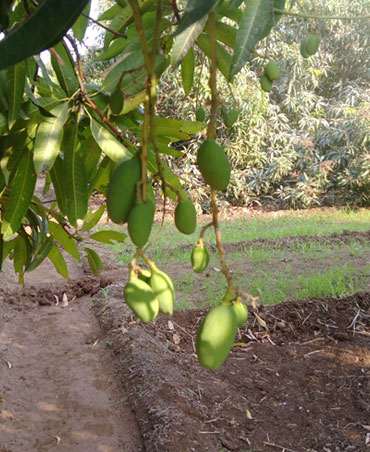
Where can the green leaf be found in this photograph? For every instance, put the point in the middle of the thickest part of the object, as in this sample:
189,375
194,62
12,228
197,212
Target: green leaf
32,35
110,13
274,18
185,40
102,175
3,123
187,71
255,18
92,218
74,176
15,80
109,237
57,259
57,179
80,26
65,74
20,257
223,57
49,138
108,143
22,188
195,10
94,260
41,254
64,239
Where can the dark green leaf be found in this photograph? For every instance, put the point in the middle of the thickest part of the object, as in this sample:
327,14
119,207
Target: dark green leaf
255,18
57,179
79,27
75,177
22,187
94,260
32,36
223,57
15,80
41,254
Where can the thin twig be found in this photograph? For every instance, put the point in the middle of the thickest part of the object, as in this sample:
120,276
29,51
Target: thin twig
116,33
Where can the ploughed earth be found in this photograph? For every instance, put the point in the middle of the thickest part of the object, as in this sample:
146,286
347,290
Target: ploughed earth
79,374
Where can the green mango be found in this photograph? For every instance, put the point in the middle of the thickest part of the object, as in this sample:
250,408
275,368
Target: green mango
162,286
231,117
139,223
122,190
266,83
200,114
216,336
312,44
185,217
272,70
116,101
141,299
199,258
214,165
303,49
241,312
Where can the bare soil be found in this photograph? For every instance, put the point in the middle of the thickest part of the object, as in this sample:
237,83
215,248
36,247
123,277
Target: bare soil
68,383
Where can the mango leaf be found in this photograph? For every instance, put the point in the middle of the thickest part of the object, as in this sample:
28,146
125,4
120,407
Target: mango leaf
195,10
223,57
15,80
41,254
177,129
255,18
64,239
22,187
58,261
113,50
49,138
185,40
110,13
94,260
187,71
109,237
227,10
32,36
274,17
108,143
65,74
92,218
80,26
20,257
75,177
57,179
3,123
102,176
225,33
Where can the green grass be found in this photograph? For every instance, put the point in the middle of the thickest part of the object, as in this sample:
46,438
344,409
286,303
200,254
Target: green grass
301,270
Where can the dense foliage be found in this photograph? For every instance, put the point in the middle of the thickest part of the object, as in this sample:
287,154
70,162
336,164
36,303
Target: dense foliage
305,143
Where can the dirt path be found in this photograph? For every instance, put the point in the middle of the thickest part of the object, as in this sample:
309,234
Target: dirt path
57,390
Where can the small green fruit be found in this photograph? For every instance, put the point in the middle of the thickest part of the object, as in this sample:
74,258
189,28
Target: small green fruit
241,312
199,258
231,117
272,70
214,165
266,83
141,299
122,190
216,336
140,222
200,114
162,286
312,44
116,101
303,49
185,217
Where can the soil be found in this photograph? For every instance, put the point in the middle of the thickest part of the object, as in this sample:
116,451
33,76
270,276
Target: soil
70,382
